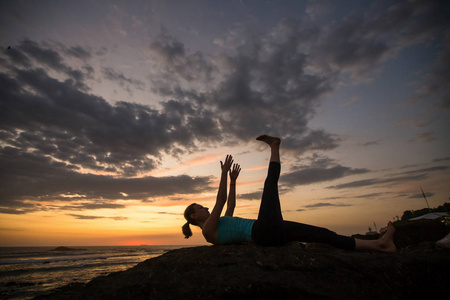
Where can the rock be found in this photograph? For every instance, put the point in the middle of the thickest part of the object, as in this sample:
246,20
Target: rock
66,249
444,242
416,232
286,272
18,284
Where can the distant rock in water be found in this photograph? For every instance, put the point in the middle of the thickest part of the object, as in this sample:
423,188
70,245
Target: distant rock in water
286,272
66,249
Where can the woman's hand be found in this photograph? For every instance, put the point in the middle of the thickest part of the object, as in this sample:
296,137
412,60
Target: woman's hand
234,173
227,164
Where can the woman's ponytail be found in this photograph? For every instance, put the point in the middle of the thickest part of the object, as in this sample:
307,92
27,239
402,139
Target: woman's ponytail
187,215
186,230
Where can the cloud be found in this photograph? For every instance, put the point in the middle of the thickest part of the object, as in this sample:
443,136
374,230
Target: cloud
371,195
30,54
256,82
420,195
312,175
45,56
85,217
18,57
419,22
251,196
79,52
55,118
318,9
313,140
424,170
284,72
218,42
264,80
424,137
314,169
177,72
363,196
168,213
122,80
31,176
441,159
360,43
418,122
349,45
371,143
438,79
378,181
324,204
82,217
90,205
13,211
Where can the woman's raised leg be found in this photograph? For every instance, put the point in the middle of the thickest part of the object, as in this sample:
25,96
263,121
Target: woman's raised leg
268,228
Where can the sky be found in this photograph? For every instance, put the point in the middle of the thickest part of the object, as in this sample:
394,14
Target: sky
114,115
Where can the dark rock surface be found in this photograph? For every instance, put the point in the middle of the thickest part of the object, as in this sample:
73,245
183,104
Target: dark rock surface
416,271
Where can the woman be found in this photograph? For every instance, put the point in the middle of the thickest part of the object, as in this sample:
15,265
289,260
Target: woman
269,229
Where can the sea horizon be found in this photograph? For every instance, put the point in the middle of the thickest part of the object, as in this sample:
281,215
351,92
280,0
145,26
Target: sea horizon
77,246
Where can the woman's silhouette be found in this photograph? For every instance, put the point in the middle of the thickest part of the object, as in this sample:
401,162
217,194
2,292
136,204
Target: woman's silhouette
269,229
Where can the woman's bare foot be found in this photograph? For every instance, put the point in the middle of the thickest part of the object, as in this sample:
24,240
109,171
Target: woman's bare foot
386,242
274,144
270,140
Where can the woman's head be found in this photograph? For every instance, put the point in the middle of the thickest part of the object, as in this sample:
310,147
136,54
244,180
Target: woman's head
194,214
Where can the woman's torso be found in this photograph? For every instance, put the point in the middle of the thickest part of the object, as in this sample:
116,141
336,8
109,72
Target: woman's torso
234,230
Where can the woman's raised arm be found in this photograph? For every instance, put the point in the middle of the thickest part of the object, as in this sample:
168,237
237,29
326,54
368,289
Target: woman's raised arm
231,203
209,229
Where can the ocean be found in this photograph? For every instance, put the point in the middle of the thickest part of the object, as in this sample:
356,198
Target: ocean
26,272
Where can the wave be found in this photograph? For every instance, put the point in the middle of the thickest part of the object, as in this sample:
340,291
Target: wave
63,268
37,257
62,258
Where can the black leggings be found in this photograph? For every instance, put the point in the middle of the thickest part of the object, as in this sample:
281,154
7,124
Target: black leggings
271,230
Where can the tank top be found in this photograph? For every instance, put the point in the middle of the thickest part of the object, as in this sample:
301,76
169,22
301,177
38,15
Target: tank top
234,230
